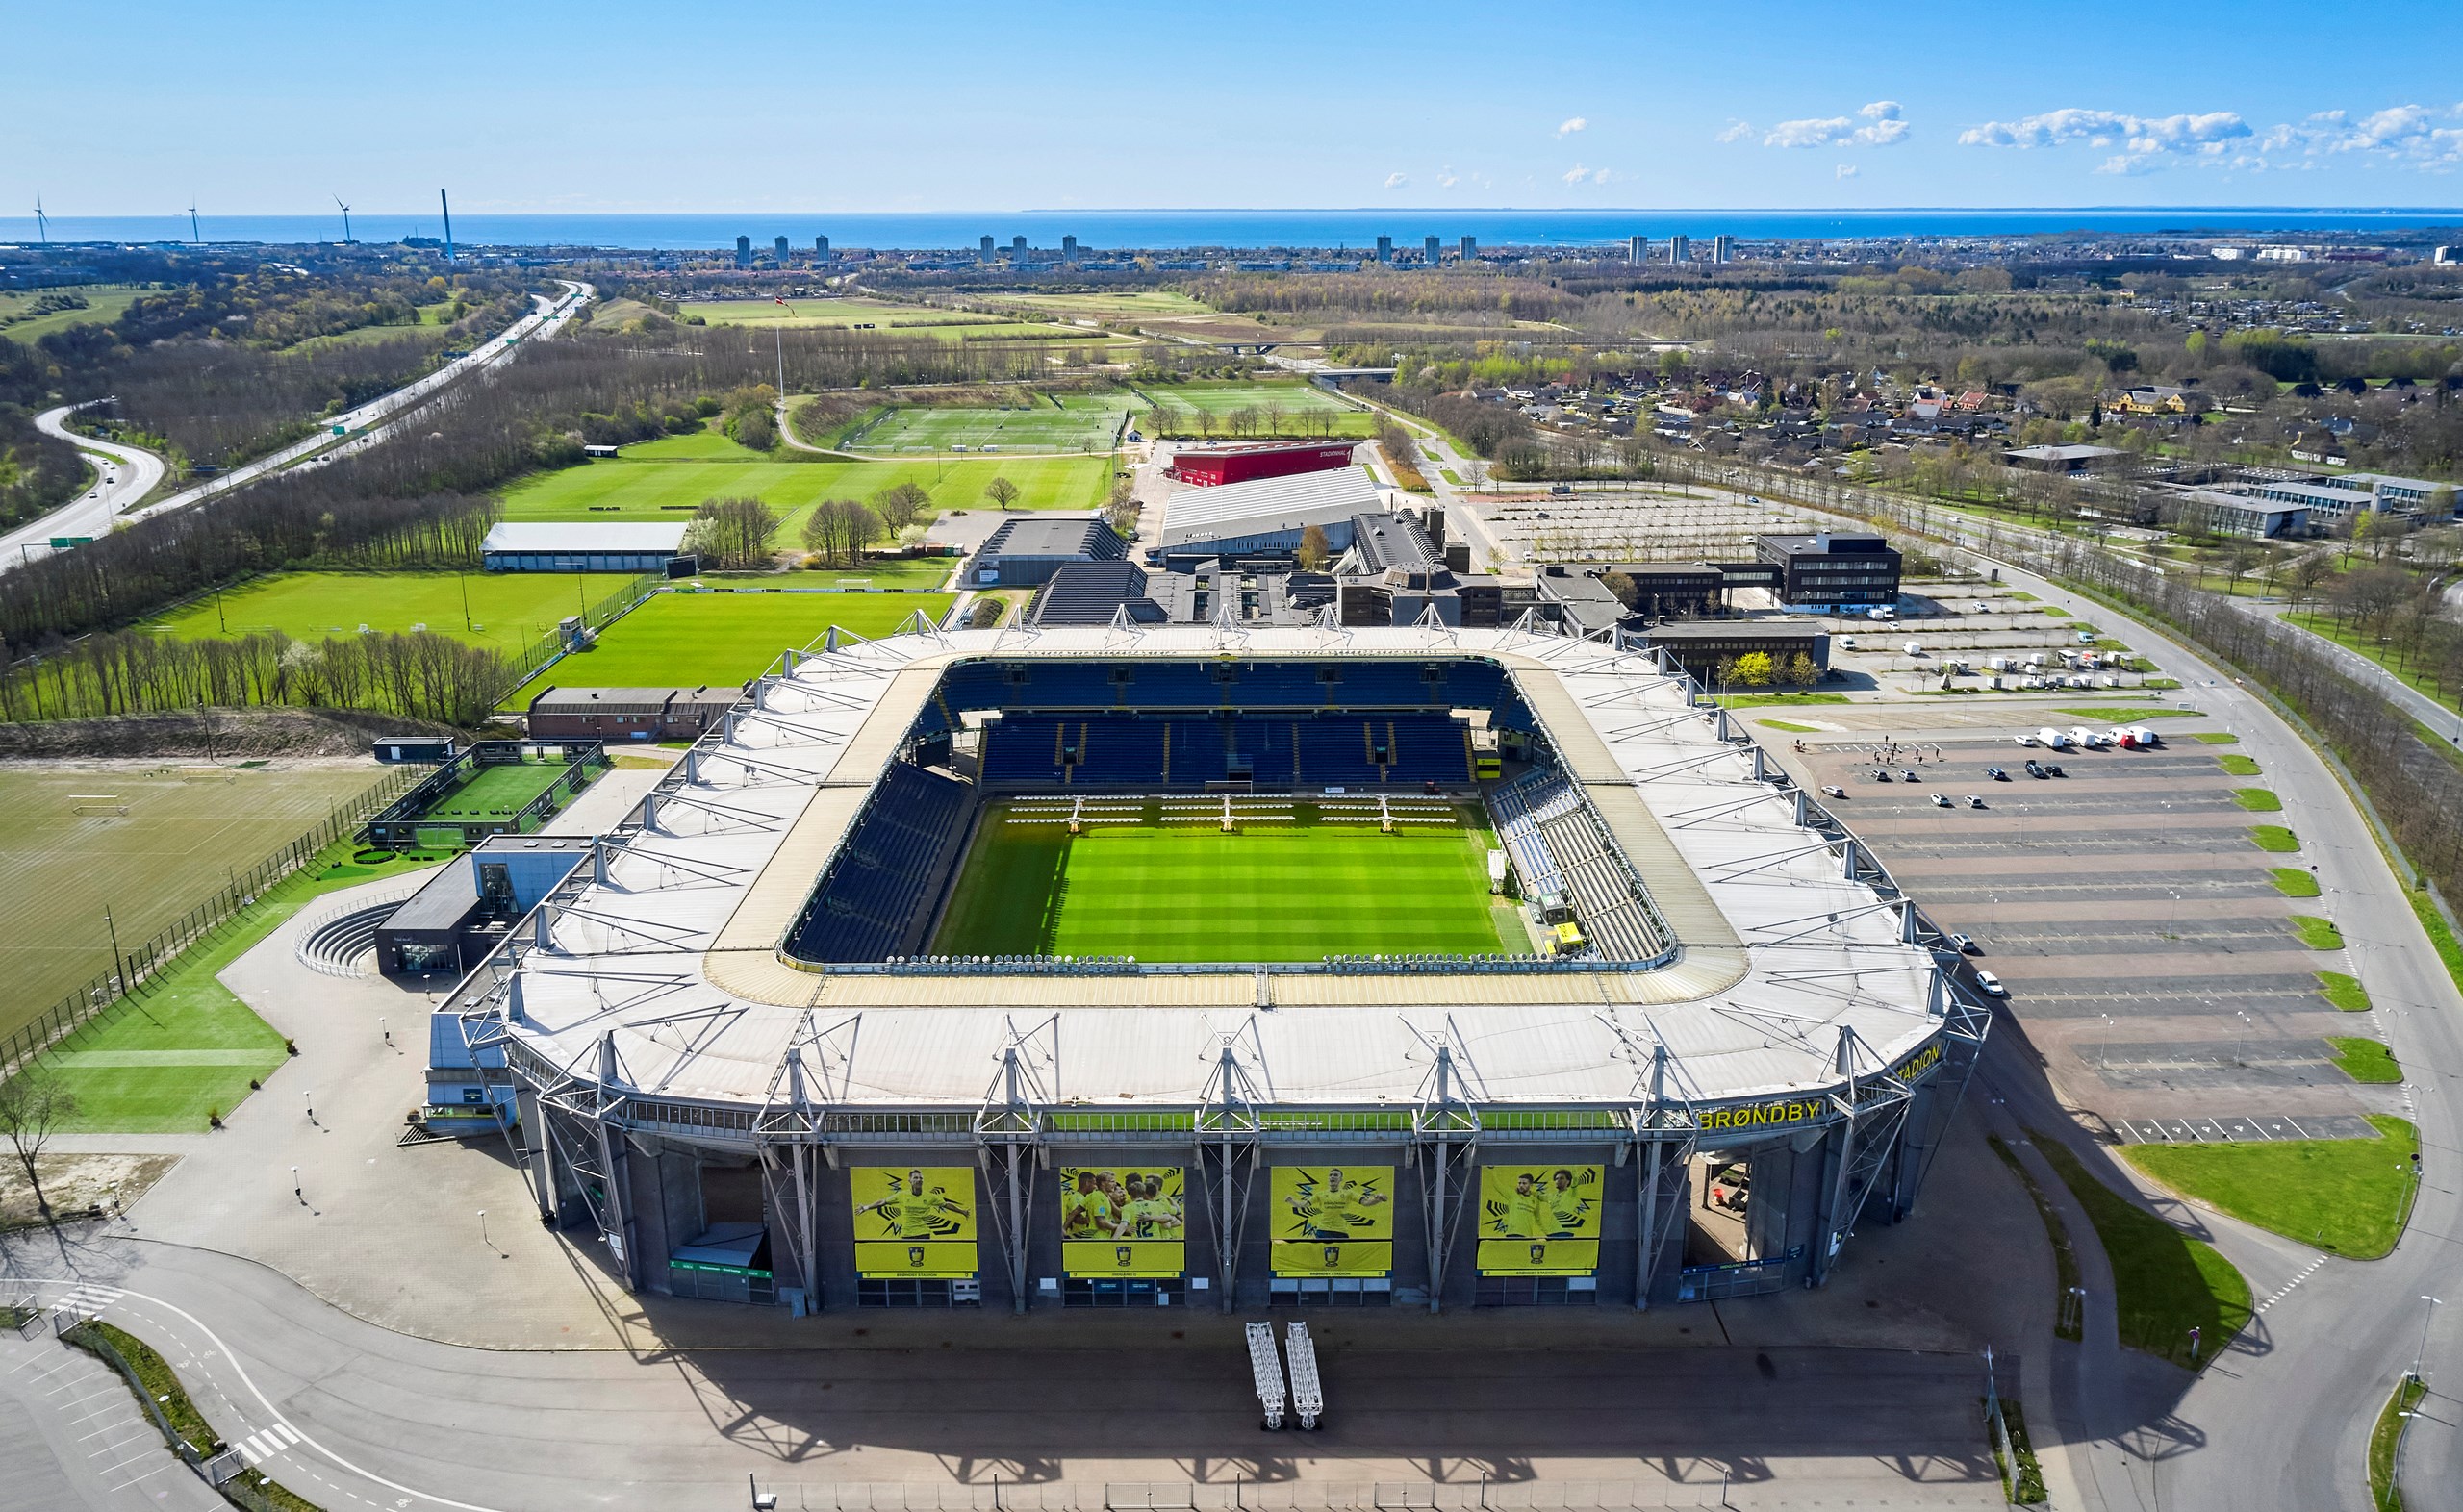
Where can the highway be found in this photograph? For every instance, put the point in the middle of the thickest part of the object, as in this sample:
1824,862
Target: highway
362,426
129,475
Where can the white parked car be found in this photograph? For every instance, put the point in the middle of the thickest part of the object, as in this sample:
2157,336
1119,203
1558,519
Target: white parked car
1988,984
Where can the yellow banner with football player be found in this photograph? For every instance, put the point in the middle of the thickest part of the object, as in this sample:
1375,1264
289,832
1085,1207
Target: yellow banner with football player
1123,1220
1332,1220
914,1220
1539,1220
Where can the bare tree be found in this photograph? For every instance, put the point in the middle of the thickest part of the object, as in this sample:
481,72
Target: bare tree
734,533
901,503
1002,491
34,1105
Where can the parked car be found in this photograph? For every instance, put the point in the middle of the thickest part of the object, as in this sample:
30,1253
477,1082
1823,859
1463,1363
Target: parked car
2026,740
1833,791
1988,984
2035,768
1996,774
1973,801
1965,944
1941,800
1880,775
1906,775
2054,771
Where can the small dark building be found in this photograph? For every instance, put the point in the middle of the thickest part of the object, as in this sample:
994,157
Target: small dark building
1662,588
414,747
1093,594
472,902
1025,553
1701,646
616,715
1831,568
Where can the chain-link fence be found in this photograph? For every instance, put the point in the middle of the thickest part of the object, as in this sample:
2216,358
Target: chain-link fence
1252,1495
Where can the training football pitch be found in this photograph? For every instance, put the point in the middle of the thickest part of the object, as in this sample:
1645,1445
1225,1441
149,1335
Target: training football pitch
627,490
1086,422
506,610
496,791
1294,890
1275,409
723,639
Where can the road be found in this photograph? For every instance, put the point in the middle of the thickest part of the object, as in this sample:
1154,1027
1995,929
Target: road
127,476
365,426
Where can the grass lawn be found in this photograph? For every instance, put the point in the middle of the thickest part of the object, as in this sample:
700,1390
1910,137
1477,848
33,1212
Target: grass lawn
2129,713
626,491
188,827
2168,1283
1782,725
706,444
508,610
2343,991
2237,766
2065,1253
2317,934
2441,934
2349,1196
1188,891
496,791
1775,699
1088,422
1206,407
878,314
2216,738
2421,680
104,304
2273,837
1127,306
187,1044
2366,1060
2293,882
685,640
2384,1496
911,573
2257,800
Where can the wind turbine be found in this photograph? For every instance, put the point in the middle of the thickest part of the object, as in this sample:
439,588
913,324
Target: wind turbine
338,199
42,222
195,235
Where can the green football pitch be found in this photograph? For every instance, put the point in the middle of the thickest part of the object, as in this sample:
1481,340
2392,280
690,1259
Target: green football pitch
1081,422
1283,891
1276,409
506,610
670,491
687,640
496,791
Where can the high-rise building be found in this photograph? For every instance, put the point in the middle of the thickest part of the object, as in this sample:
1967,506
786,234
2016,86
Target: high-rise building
1384,250
1017,249
743,251
1723,250
1680,249
2448,257
781,246
1470,249
821,249
986,249
1638,250
1069,249
1429,250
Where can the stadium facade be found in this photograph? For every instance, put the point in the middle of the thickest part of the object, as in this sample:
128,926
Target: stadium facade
731,1058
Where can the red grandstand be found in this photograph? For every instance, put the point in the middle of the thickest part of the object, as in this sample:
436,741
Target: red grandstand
1206,465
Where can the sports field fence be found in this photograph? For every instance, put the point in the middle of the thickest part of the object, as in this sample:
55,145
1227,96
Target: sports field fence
112,993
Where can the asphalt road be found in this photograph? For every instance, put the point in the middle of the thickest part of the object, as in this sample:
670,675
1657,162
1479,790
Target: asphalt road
365,426
127,477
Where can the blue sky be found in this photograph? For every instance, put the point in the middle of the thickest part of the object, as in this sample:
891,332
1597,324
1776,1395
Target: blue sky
269,107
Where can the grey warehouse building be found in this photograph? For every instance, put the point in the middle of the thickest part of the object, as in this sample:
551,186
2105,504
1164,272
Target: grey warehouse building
532,546
1025,553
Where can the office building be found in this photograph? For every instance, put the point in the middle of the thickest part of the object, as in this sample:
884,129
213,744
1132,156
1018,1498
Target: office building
743,251
1017,249
1429,251
1834,568
1638,250
1069,249
821,249
1680,249
1384,250
780,246
1470,251
1723,250
985,247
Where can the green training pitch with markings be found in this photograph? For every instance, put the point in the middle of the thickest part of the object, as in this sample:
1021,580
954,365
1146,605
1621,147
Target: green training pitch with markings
1274,891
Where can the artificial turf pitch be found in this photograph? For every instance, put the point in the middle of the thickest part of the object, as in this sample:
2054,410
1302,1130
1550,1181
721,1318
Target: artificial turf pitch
1274,891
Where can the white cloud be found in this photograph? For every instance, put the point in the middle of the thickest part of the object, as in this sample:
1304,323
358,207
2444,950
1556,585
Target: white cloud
1844,170
1576,174
1396,180
1736,131
2142,134
2428,137
1876,125
1447,178
1577,123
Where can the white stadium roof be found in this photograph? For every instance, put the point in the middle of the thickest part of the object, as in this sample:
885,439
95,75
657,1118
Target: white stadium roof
672,962
548,536
1235,511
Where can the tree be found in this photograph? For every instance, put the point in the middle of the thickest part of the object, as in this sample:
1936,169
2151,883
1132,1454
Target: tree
1313,552
34,1105
734,533
1803,670
901,503
1002,491
1122,511
1755,669
1621,585
838,530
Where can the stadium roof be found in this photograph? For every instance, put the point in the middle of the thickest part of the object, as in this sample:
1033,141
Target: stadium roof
671,964
575,537
1043,535
1235,511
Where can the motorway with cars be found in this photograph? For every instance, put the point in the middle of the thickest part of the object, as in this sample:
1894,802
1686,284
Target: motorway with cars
365,425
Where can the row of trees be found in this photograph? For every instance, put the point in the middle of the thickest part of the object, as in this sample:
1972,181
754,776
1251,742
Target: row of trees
421,674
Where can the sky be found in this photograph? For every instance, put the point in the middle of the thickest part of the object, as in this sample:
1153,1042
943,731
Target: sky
275,107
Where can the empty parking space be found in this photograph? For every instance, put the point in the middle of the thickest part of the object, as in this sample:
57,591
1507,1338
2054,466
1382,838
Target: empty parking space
2244,1128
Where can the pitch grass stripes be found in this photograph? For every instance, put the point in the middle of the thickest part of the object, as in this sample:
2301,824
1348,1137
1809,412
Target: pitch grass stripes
1290,889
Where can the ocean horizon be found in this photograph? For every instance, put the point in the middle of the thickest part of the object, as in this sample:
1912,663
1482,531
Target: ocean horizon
1230,229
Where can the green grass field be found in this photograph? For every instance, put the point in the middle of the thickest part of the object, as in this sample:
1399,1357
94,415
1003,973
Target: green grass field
2275,838
186,826
2349,1196
104,304
632,491
708,444
1305,410
1131,305
1087,422
1188,891
498,792
685,640
889,319
508,610
2168,1283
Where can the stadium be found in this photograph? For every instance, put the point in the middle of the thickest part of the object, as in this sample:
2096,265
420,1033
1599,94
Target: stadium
1188,965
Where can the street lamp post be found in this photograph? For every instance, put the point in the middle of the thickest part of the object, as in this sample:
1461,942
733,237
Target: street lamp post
2423,1352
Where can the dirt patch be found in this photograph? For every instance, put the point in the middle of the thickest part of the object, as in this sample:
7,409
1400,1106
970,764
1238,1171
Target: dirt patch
220,734
76,1183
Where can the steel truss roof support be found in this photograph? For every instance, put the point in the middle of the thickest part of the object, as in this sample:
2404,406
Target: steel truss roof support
1445,1140
1666,1133
1230,1148
1009,1140
1871,1110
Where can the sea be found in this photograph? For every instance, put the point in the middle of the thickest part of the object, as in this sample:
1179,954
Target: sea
1234,230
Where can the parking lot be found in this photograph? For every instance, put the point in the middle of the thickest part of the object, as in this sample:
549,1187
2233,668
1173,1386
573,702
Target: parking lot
2146,951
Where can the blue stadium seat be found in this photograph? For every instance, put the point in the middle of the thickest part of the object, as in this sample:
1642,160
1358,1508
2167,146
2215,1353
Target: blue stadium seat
879,884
